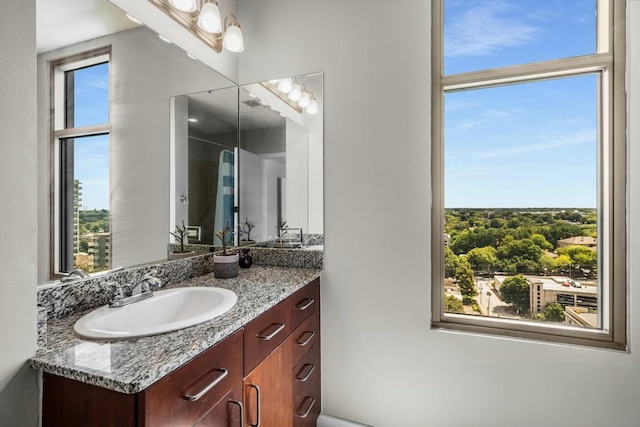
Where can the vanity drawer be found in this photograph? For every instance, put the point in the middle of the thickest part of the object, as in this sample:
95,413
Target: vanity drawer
190,392
305,337
307,388
264,333
305,302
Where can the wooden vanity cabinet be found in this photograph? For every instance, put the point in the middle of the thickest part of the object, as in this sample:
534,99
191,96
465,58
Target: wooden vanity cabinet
197,392
267,373
275,393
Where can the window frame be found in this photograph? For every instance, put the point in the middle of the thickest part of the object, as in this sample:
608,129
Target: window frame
59,132
609,59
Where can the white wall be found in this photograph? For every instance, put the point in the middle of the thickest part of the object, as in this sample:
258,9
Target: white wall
382,364
296,204
18,382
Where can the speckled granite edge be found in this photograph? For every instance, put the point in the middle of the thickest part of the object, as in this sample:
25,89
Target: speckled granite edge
130,366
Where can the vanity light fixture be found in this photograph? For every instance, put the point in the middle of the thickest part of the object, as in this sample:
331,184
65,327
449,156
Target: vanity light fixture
203,19
209,18
184,5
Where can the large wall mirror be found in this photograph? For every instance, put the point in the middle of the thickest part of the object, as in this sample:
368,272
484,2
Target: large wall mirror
251,158
118,218
281,158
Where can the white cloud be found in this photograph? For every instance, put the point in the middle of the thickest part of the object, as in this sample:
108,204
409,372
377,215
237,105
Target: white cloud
485,29
547,143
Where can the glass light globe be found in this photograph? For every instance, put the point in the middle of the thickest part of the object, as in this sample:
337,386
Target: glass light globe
313,107
296,92
233,40
209,18
285,85
184,5
305,99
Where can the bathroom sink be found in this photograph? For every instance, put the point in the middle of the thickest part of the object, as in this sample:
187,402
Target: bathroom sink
165,311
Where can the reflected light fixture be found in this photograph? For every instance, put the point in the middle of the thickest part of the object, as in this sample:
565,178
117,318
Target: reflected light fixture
203,19
305,99
285,85
313,106
296,92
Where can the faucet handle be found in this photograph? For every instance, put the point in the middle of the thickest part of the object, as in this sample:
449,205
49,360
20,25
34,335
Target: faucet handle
118,292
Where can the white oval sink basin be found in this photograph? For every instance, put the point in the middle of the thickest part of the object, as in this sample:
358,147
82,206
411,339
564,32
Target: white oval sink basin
165,311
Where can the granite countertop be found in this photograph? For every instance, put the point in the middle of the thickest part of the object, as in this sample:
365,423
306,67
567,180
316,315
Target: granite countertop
131,365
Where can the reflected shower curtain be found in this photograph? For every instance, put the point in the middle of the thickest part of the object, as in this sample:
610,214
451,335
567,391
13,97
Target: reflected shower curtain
224,200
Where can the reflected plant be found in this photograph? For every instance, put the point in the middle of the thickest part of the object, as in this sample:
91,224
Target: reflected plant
282,227
246,227
181,238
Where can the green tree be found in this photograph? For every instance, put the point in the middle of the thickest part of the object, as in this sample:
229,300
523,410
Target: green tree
541,241
482,258
466,281
453,305
451,263
515,291
580,255
554,312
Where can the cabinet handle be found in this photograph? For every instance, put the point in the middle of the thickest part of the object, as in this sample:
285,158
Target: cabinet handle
193,397
304,304
257,424
239,404
302,343
304,376
279,327
303,414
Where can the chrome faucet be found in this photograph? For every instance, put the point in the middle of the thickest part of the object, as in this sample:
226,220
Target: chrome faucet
76,274
140,291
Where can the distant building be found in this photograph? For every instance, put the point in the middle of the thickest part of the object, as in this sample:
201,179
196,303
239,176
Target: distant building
447,239
99,250
588,241
580,316
77,202
567,292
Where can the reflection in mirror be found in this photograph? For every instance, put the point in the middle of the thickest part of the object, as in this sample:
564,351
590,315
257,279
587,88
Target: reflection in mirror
280,160
205,137
144,73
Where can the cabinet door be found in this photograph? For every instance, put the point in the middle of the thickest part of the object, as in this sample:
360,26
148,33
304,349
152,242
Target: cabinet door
268,390
229,412
187,394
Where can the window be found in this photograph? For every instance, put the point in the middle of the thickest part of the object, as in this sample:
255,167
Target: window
80,163
528,170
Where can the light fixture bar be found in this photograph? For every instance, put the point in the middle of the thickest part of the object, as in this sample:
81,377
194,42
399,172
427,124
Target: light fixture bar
188,20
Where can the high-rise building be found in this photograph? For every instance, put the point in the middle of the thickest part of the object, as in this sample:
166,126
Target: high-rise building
77,203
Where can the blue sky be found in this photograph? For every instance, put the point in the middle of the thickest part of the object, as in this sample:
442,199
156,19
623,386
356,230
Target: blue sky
528,145
91,154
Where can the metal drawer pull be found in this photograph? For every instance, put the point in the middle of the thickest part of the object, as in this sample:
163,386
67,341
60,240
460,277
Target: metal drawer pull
257,424
302,376
280,327
239,404
212,384
304,304
302,343
305,413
